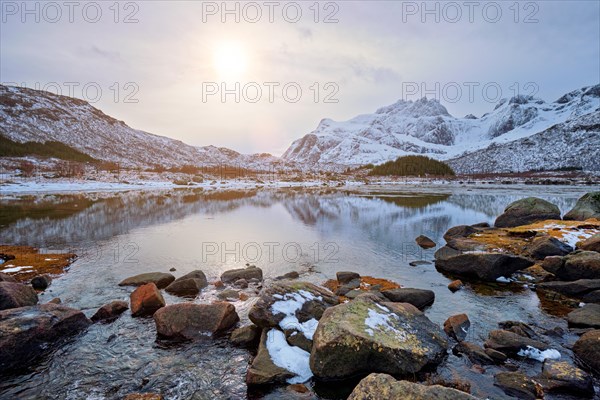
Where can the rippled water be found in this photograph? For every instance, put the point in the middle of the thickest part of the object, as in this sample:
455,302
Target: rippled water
315,232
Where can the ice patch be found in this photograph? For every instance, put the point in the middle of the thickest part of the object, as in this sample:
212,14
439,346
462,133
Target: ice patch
503,279
289,304
16,269
536,354
292,358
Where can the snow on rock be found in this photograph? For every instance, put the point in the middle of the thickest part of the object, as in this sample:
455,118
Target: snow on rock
536,354
377,321
292,358
288,305
503,279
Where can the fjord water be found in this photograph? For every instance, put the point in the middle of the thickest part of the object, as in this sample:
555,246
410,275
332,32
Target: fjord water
315,232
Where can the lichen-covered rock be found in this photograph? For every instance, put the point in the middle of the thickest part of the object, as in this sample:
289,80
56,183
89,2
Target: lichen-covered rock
587,349
587,316
291,304
28,332
188,285
527,211
111,311
518,385
547,246
483,266
367,336
562,377
14,295
385,387
586,207
248,273
419,298
160,279
188,321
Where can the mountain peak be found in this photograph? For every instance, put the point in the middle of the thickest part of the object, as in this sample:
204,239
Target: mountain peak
422,107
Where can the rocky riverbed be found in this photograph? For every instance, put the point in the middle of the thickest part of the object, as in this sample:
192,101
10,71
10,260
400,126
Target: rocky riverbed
299,335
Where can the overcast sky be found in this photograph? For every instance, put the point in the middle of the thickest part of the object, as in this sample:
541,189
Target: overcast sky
346,57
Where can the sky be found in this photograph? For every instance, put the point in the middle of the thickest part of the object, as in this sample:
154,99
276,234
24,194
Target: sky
255,76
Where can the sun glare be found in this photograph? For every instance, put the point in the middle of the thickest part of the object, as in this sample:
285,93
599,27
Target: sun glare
230,60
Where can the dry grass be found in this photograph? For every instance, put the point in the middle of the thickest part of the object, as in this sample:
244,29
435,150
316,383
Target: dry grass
39,263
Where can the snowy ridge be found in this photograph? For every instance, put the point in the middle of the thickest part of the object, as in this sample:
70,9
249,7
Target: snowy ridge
33,115
425,127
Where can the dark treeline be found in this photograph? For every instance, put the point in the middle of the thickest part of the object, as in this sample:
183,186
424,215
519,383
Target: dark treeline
412,166
10,148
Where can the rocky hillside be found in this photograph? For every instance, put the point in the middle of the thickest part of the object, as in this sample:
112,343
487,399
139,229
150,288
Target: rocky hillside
425,127
32,115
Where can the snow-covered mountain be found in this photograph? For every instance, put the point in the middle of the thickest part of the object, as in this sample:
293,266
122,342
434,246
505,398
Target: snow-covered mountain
470,144
33,115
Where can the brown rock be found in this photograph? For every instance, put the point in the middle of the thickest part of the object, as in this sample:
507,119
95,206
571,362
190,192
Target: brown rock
344,277
511,343
6,278
518,385
587,349
587,316
456,285
111,311
475,353
591,244
189,285
145,300
246,336
143,396
188,321
263,371
424,242
160,279
457,326
14,295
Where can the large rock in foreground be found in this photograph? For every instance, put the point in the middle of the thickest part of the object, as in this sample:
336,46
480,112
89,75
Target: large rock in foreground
366,336
385,387
580,265
188,321
527,211
188,285
548,246
482,266
160,279
586,207
28,332
13,295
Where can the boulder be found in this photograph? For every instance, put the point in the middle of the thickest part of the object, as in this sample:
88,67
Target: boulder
246,336
111,311
6,278
586,207
241,283
576,288
482,266
475,353
511,343
587,316
587,349
289,275
41,282
592,297
348,286
291,304
263,370
457,326
145,300
229,294
189,321
188,285
591,244
496,355
344,277
242,273
364,335
29,332
580,265
518,385
456,285
553,263
419,298
160,279
13,295
547,246
562,377
294,338
459,231
424,242
385,387
527,211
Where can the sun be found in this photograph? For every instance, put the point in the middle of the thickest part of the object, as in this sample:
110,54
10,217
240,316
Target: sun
230,60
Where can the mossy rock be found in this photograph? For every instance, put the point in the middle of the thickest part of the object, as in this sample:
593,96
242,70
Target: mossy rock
527,211
586,207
